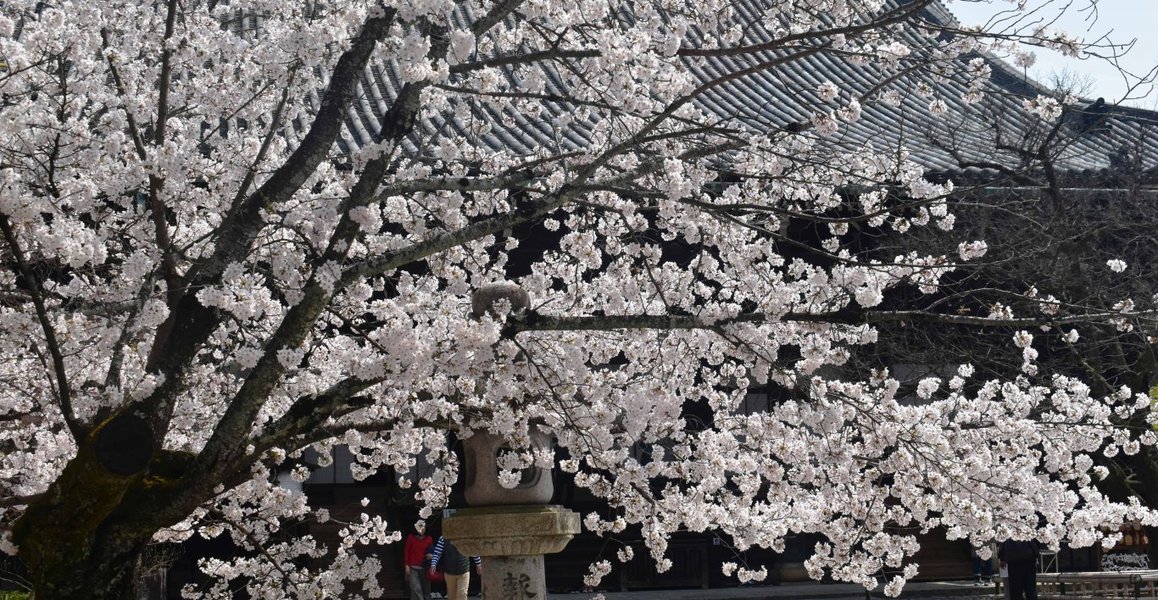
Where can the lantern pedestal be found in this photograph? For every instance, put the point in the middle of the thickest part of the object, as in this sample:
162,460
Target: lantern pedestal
512,541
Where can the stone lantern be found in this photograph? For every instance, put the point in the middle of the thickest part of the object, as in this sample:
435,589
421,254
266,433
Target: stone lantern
511,528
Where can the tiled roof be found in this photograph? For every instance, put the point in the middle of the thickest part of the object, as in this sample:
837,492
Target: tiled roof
1092,137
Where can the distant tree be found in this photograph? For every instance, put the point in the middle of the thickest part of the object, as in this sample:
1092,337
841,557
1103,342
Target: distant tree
212,261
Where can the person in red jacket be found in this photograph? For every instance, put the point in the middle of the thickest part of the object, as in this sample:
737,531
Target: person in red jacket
415,559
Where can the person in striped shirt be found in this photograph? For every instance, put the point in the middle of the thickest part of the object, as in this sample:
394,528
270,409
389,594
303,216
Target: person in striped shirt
455,566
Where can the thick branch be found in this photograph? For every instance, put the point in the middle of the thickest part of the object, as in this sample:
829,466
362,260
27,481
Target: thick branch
116,360
156,183
134,129
538,322
494,16
446,241
222,449
452,184
192,323
270,135
524,213
309,413
63,392
241,224
19,500
521,59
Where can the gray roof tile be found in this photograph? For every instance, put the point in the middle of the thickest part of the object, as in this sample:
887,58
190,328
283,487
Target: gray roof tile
772,99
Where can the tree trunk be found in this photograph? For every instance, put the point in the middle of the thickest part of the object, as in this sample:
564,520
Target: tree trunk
83,538
106,572
75,549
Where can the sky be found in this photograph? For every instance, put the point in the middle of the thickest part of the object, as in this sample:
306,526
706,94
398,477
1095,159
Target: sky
1121,21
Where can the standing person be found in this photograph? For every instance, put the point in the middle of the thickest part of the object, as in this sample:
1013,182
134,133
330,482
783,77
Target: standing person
982,569
455,566
416,555
1020,558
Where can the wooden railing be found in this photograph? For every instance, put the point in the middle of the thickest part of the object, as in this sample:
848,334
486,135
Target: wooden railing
1109,584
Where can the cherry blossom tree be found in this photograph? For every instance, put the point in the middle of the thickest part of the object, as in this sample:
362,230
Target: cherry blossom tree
215,257
1060,242
1057,242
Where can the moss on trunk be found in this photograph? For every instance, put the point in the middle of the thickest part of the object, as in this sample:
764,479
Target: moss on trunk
82,539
